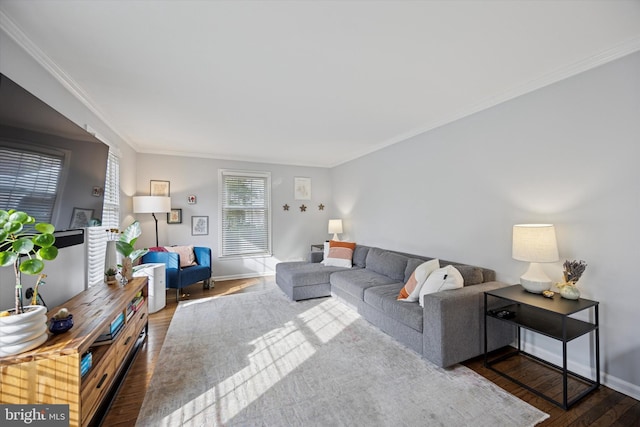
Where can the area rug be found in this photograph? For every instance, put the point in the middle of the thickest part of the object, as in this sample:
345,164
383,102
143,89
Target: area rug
260,359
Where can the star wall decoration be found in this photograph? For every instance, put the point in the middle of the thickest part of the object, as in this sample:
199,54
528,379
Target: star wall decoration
285,207
303,208
321,207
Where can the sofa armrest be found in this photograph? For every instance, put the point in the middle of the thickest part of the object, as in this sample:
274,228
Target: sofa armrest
453,328
203,256
316,256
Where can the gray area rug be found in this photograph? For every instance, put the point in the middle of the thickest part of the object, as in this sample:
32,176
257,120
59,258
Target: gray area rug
258,359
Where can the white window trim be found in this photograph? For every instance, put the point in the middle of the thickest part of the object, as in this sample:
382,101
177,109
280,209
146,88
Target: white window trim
232,172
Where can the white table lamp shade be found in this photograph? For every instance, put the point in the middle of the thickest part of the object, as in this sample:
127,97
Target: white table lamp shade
335,227
535,243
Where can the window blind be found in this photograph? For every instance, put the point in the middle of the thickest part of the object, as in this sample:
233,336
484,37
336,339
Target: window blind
111,204
96,247
245,213
29,181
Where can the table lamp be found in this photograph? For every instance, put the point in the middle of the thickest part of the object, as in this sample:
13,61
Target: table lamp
535,243
335,227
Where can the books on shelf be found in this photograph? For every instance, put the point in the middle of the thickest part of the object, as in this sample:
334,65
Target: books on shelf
111,331
85,363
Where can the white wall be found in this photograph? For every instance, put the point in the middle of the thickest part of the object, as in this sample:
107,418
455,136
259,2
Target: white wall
566,154
293,231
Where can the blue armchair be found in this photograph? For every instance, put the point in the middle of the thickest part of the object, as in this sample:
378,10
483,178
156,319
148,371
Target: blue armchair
178,278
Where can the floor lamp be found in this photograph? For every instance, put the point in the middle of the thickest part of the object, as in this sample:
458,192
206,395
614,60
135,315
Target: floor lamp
152,205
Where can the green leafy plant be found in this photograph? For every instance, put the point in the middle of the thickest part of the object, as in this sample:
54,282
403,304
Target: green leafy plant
111,272
16,241
128,238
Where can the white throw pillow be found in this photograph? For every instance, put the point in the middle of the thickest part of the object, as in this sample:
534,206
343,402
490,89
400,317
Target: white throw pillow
442,279
417,279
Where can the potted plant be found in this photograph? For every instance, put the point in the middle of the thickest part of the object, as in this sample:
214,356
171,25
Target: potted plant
111,275
125,247
18,241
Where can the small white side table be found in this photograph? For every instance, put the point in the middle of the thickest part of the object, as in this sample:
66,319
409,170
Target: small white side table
157,297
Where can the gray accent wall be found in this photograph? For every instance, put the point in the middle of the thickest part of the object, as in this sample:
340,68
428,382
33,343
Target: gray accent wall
566,154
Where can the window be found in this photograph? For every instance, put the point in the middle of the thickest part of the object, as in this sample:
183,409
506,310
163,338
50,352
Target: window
111,205
245,217
97,236
29,181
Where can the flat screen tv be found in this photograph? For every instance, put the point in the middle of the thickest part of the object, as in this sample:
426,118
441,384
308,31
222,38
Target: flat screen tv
49,167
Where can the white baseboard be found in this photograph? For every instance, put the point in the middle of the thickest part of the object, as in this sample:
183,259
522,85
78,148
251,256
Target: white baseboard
606,379
242,276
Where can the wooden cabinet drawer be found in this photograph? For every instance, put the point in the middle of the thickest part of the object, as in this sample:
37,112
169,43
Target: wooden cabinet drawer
96,384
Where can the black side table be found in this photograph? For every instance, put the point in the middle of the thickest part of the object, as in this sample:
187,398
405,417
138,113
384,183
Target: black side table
549,317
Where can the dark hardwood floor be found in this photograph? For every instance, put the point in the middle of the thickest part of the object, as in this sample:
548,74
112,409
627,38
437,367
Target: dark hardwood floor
603,407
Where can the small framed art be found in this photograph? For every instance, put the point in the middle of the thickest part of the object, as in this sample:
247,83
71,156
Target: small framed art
80,217
302,188
159,188
199,225
174,217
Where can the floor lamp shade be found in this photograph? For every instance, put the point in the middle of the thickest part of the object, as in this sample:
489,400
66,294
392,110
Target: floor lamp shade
535,243
152,205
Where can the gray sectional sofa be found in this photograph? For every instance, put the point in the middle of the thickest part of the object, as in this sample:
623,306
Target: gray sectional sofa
448,330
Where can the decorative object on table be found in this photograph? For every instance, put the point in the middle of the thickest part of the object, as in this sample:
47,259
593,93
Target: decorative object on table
572,271
110,276
159,188
125,247
302,188
335,228
199,225
192,199
548,294
24,328
111,256
61,322
152,205
303,208
320,207
285,207
175,216
535,243
80,218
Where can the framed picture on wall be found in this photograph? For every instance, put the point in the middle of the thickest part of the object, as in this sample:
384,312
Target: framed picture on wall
174,217
159,188
302,188
80,217
199,225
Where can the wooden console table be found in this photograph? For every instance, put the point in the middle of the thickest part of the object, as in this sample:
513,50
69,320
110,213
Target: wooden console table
50,374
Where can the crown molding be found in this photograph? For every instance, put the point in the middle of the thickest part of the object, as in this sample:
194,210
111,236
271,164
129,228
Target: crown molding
616,52
50,66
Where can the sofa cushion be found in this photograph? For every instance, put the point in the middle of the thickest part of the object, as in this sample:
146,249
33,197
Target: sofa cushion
471,275
411,290
384,299
387,263
354,282
360,255
443,279
300,273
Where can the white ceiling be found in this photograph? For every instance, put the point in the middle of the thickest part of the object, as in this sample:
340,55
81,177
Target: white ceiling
311,83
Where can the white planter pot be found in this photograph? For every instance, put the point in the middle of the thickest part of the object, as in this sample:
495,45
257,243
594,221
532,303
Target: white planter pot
23,332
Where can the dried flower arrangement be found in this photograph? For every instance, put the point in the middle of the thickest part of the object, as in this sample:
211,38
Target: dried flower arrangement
572,270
